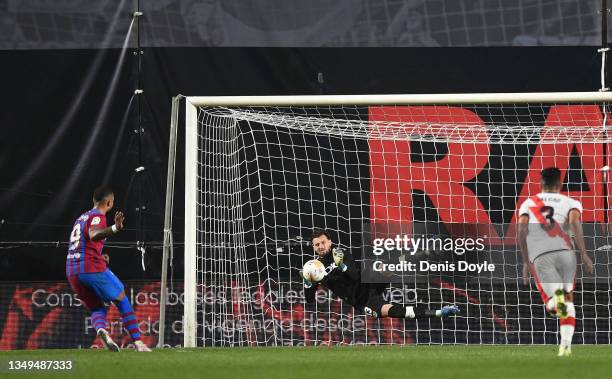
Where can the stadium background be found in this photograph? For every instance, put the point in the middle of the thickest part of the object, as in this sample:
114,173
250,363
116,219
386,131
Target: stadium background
68,114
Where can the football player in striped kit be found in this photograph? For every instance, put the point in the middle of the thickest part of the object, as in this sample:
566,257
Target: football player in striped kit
88,274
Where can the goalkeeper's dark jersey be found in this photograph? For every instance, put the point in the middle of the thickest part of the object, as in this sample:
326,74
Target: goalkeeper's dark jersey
346,285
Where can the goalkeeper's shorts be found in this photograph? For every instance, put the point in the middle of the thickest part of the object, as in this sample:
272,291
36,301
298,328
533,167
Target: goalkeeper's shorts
373,306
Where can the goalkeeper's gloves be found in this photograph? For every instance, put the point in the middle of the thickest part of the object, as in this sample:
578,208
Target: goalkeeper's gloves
338,255
307,283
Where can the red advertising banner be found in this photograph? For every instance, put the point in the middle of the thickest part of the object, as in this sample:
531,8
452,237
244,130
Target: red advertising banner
49,315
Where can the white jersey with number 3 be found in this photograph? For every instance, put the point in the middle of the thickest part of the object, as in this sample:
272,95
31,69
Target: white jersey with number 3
548,214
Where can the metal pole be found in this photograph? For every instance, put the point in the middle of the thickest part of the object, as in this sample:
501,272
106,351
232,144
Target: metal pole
603,50
168,241
604,23
139,132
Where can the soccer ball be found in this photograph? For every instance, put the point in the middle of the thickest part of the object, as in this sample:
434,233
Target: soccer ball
314,270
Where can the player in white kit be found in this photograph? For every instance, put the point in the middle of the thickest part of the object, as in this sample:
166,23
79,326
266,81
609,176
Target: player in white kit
546,221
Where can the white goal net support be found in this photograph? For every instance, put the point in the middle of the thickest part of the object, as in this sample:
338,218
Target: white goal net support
262,172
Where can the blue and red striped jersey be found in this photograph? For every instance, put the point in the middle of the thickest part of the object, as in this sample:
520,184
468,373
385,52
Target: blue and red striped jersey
85,255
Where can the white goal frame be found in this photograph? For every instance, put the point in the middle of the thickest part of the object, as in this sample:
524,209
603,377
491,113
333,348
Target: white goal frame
191,165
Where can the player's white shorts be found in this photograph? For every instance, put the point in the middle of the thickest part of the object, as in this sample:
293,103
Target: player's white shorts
555,270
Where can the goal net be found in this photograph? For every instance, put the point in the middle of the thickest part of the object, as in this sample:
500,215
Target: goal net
262,172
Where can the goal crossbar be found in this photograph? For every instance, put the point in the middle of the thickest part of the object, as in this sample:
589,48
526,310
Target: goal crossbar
398,99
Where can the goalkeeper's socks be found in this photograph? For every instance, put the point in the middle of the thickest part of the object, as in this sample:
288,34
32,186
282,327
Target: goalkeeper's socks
98,319
130,323
398,311
568,324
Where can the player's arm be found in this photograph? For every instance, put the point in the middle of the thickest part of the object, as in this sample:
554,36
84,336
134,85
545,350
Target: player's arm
310,288
98,234
575,224
310,292
521,236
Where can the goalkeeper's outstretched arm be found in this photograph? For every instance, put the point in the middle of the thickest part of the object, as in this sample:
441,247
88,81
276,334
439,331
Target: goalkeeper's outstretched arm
310,293
310,288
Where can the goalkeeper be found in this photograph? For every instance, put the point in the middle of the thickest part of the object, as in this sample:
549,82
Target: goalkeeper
344,279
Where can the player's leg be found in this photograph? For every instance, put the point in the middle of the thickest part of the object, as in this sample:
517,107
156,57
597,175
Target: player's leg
98,311
98,318
109,288
130,322
401,311
377,306
91,301
566,265
548,282
116,294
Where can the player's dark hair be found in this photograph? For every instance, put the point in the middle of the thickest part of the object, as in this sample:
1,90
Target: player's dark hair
101,192
318,233
551,177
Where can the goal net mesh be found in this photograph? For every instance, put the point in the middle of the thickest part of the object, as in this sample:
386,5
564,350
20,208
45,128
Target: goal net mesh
268,175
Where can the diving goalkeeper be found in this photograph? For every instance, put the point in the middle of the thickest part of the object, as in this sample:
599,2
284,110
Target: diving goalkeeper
344,279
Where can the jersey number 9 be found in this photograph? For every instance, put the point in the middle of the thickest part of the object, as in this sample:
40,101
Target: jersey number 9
75,237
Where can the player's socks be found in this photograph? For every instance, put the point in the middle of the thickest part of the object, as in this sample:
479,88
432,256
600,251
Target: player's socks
98,319
128,317
399,311
567,326
551,306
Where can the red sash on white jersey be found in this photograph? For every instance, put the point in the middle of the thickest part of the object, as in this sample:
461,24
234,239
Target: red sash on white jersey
553,230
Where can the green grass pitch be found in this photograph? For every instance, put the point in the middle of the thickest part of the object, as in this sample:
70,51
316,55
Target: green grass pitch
516,362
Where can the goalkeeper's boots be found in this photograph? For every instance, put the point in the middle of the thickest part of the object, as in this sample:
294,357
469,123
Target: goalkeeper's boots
107,341
141,347
564,351
561,305
449,310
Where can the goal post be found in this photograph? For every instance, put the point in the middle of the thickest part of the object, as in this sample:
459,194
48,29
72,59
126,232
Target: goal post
261,172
